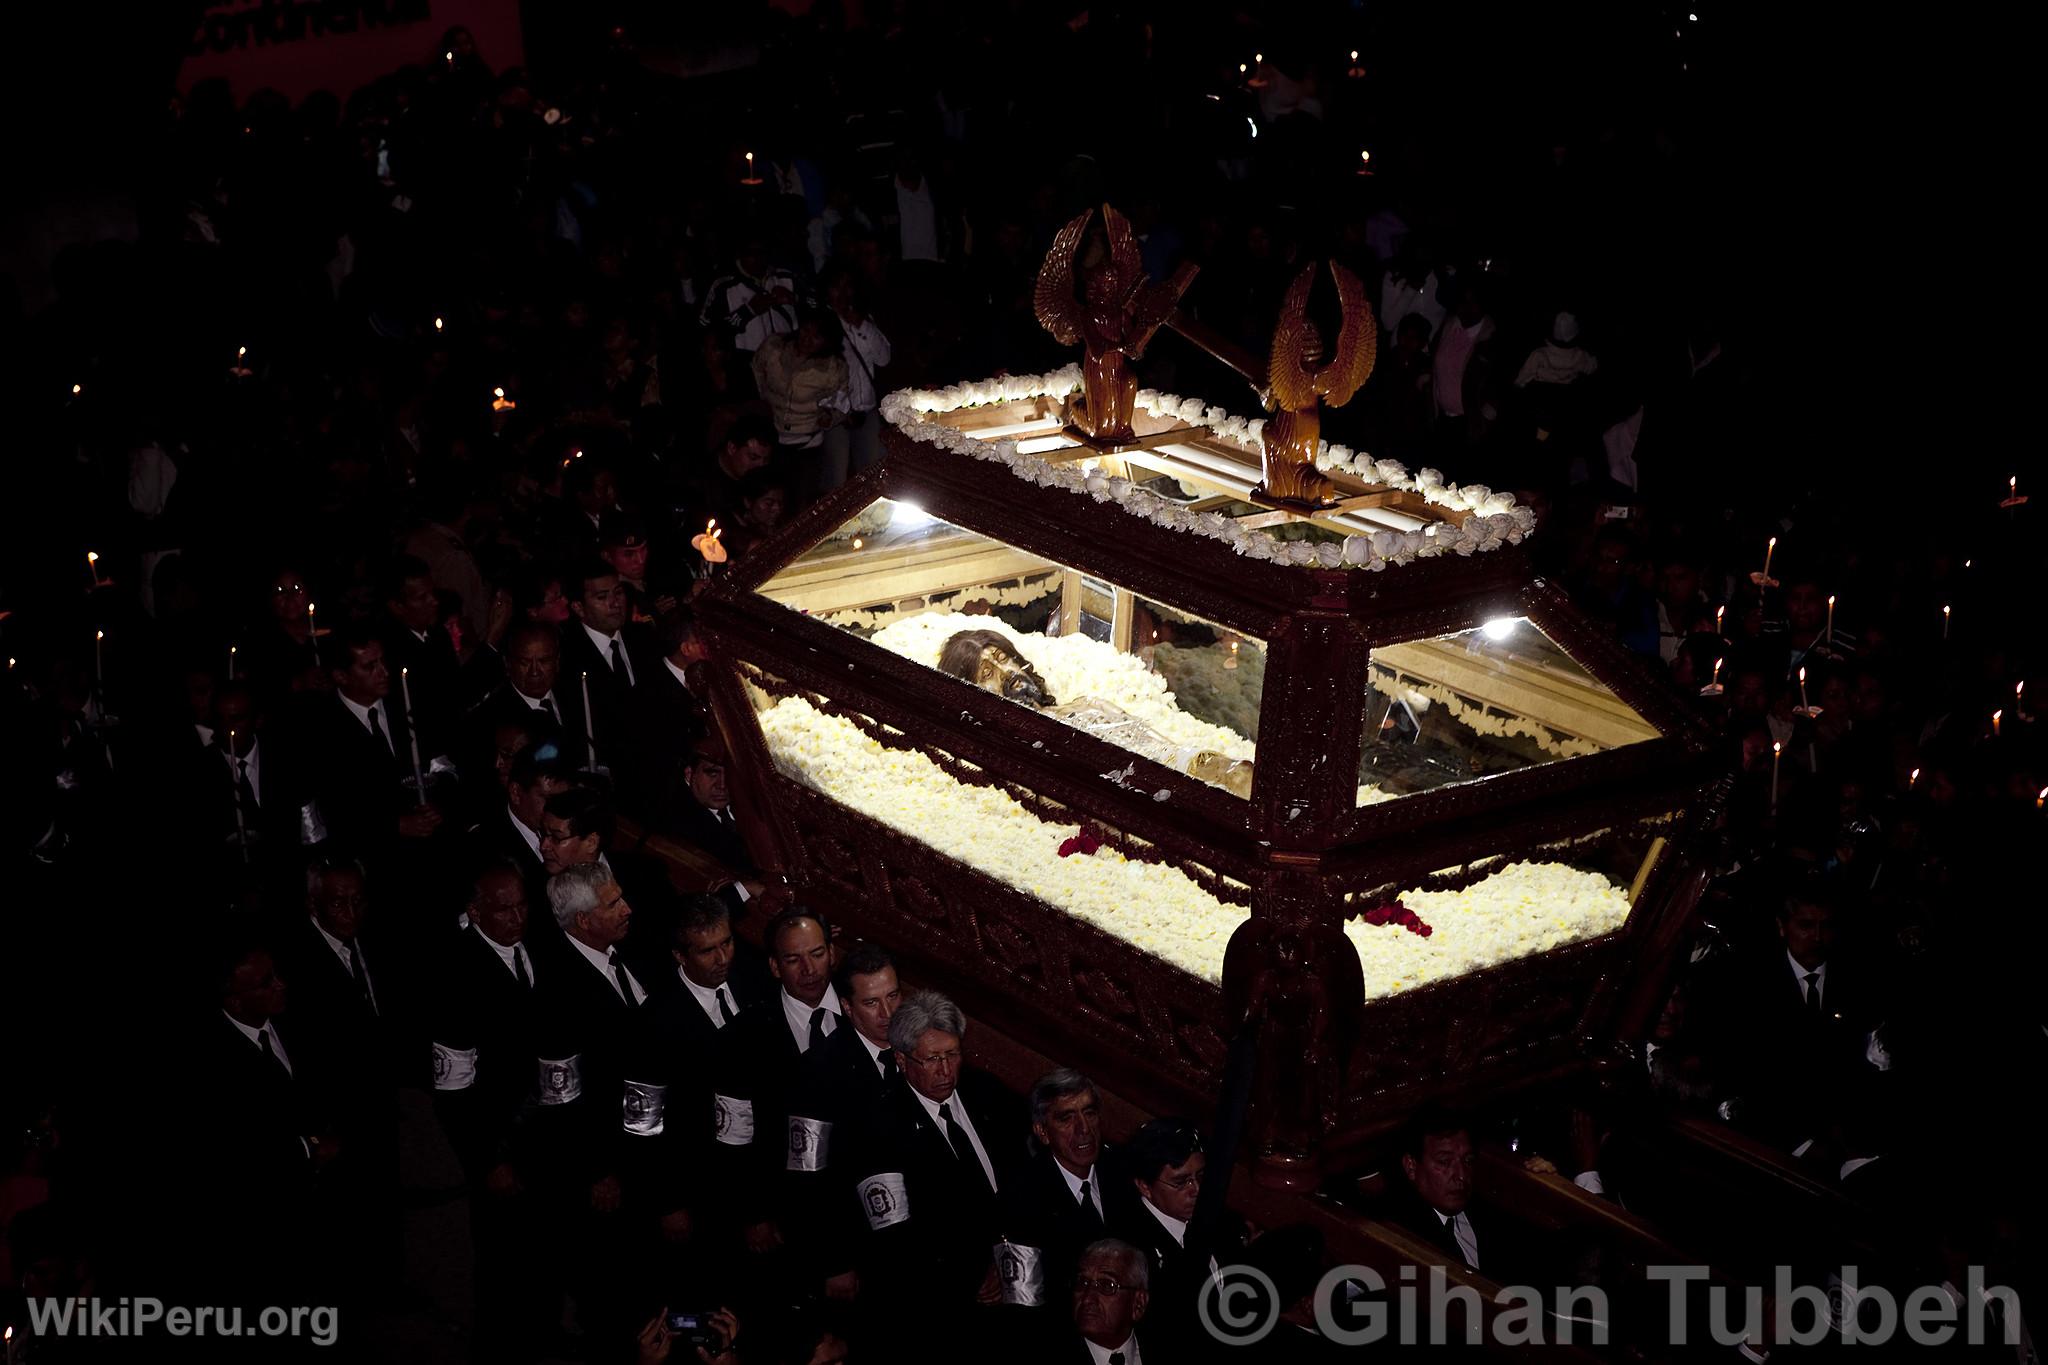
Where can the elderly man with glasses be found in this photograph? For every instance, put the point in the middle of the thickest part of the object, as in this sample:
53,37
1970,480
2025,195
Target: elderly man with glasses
933,1160
1112,1289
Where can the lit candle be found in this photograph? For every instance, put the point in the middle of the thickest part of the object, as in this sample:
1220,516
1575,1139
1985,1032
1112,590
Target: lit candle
99,662
1770,547
231,663
858,544
1713,687
440,325
2012,493
500,403
1242,68
1364,162
313,634
1231,662
1802,689
1912,779
92,566
1996,716
2019,699
77,389
1944,621
2042,799
412,735
1777,752
1831,618
589,734
1719,613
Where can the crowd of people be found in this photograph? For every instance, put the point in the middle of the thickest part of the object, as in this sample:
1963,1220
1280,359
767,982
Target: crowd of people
350,613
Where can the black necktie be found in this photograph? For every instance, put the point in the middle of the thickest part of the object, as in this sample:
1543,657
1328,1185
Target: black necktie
553,714
1116,1358
963,1150
1813,994
625,982
619,661
724,1008
362,976
817,1026
377,733
245,790
519,965
263,1037
1088,1209
882,1062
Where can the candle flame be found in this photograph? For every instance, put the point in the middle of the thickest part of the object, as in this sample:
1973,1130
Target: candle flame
1913,777
92,557
497,393
1354,54
1242,68
438,324
1776,747
1997,716
1364,155
1773,543
1802,674
99,635
241,351
1831,599
1945,611
1258,59
857,542
77,389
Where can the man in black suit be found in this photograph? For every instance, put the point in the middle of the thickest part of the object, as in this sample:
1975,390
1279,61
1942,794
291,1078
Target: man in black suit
514,831
1435,1200
532,692
930,1165
267,1141
598,1103
767,1046
670,713
232,781
1062,1203
1166,1164
578,826
703,816
415,644
602,646
485,1058
691,1028
837,1084
1800,1027
357,752
1110,1293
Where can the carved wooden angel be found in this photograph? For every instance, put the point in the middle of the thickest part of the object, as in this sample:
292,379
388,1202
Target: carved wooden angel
1113,319
1295,394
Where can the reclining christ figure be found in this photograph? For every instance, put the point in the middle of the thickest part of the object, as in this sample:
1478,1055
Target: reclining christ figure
989,661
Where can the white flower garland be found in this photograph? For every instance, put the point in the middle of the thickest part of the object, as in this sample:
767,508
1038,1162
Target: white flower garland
1498,520
1523,908
1478,719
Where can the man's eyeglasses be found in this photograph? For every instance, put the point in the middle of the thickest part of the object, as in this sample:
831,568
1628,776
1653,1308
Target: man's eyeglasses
1183,1182
1103,1285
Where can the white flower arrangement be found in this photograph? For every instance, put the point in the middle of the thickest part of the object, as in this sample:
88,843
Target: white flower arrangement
1523,908
1497,519
1477,718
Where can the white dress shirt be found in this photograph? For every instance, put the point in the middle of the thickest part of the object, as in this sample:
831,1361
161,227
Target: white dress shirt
256,1035
546,705
253,761
505,955
531,839
604,962
798,1015
362,715
1468,1239
1176,1227
604,649
681,680
1100,1354
959,1111
867,350
1799,975
1074,1186
707,998
346,954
